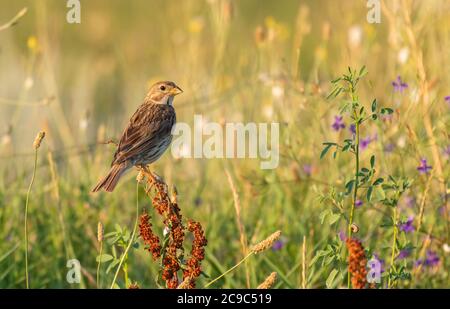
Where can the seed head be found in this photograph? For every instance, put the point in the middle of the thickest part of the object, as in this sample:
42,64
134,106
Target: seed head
37,141
266,243
268,283
100,232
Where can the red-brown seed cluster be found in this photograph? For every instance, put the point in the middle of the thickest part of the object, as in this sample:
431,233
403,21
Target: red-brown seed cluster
193,269
150,239
173,252
357,262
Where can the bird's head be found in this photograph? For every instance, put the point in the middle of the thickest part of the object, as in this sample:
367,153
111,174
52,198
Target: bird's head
163,92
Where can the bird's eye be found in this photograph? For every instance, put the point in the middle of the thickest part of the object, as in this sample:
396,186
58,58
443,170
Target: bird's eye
162,88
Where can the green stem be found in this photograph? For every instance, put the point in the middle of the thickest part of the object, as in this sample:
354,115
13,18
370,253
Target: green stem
26,219
99,263
356,185
394,247
131,238
230,270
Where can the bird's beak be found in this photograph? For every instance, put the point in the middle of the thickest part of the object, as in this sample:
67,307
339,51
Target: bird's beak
176,91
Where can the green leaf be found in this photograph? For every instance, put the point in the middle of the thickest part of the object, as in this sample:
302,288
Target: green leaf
104,258
323,215
387,110
333,218
378,182
374,106
369,193
325,150
372,161
331,278
112,265
349,186
379,193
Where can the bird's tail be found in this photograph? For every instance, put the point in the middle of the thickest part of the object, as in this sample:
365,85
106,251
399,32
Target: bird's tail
110,181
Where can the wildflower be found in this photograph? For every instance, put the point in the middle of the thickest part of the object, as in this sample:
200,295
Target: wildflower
342,235
424,168
410,201
399,85
355,36
407,226
358,203
447,99
357,263
431,260
403,55
447,152
380,261
446,248
364,143
352,129
389,148
338,124
277,91
279,244
403,254
307,169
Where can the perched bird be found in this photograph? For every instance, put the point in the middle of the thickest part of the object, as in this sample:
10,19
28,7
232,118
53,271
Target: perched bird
147,135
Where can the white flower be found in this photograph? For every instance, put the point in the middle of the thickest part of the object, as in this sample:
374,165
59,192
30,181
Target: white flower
401,142
355,36
165,231
403,55
277,91
29,82
446,248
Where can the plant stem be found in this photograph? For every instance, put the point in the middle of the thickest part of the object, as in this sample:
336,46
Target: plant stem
394,247
356,185
99,263
229,270
131,238
26,219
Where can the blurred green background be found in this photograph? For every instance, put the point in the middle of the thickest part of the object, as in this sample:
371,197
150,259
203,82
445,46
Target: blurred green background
249,61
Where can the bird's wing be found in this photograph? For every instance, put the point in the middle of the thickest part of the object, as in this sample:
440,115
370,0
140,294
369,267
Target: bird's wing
148,125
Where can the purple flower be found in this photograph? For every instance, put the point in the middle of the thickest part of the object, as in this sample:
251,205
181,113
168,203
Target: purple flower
403,254
447,152
447,99
279,244
307,169
365,142
432,259
338,124
381,261
410,201
358,203
424,168
352,129
389,148
407,226
342,235
399,85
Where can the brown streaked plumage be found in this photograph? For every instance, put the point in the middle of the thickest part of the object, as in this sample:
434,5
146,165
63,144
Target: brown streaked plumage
147,135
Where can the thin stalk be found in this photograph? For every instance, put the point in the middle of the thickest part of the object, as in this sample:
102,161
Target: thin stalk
99,264
394,246
356,185
26,219
229,270
125,253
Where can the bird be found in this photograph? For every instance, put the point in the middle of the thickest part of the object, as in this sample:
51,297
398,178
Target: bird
147,135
